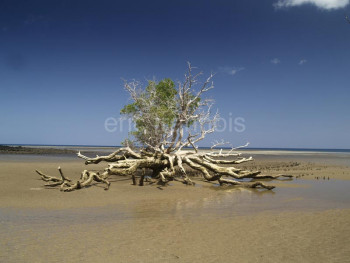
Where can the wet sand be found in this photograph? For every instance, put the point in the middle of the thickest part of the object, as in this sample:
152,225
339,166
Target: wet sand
303,220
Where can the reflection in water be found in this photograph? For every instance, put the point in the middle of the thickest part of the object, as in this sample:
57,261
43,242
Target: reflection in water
233,201
224,202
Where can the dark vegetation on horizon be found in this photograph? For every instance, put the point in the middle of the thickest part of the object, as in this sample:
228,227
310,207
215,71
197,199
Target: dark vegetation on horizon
4,149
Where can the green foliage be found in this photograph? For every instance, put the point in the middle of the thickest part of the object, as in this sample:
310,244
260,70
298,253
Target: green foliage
153,111
157,108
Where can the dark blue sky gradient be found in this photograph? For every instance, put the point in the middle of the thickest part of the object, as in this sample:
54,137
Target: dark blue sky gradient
61,64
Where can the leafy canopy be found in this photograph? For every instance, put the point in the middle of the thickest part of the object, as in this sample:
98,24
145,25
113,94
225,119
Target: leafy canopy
156,109
153,111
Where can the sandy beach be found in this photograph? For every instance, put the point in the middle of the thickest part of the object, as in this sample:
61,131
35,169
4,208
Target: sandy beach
306,219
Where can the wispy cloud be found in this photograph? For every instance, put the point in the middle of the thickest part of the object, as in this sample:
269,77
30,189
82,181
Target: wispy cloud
303,61
323,4
230,70
275,61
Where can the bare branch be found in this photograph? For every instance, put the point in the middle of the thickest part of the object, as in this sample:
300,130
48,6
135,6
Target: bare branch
217,143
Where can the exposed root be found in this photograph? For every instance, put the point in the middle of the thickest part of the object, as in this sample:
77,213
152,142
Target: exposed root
186,179
263,176
246,184
126,162
47,178
54,181
89,178
120,154
65,184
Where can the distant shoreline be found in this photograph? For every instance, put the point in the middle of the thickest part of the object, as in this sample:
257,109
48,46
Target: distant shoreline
5,149
56,146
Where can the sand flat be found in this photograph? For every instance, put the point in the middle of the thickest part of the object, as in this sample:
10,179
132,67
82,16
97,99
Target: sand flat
304,220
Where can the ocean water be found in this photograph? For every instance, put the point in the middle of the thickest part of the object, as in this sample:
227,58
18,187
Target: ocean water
302,150
96,147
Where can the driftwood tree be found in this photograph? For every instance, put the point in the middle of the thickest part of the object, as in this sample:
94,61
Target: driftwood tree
169,124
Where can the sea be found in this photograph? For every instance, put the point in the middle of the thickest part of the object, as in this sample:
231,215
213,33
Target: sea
319,150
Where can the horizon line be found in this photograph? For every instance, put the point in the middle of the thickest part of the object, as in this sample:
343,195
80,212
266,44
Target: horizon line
113,146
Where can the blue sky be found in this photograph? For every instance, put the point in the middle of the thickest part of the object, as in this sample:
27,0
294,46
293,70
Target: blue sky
283,66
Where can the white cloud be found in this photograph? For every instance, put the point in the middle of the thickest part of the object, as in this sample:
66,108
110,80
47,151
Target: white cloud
323,4
303,61
230,70
275,61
